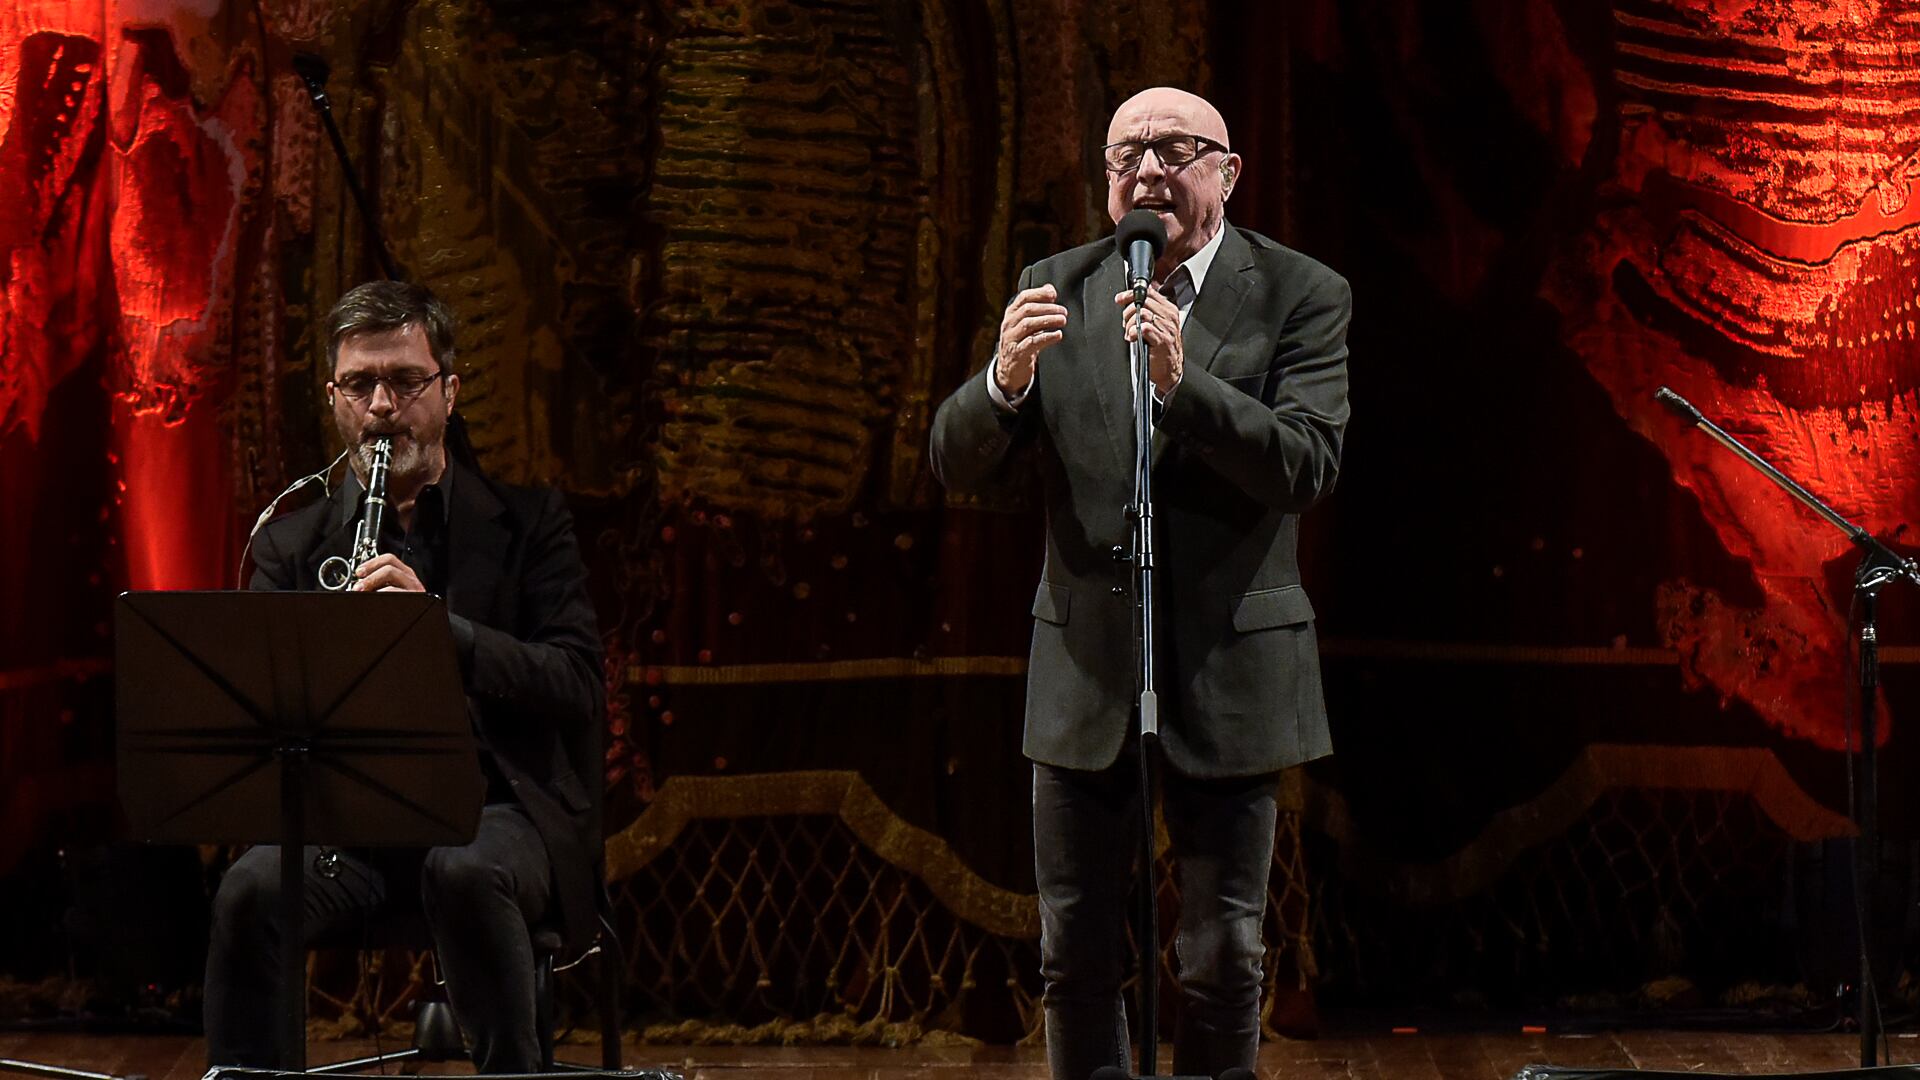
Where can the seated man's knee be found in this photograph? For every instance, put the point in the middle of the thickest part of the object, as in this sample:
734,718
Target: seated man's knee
250,889
460,876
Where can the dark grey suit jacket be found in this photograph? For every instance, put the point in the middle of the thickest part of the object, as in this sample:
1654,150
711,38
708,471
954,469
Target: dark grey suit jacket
1251,438
529,650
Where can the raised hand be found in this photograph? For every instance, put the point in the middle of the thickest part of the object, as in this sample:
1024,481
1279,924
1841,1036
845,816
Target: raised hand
1033,322
1161,325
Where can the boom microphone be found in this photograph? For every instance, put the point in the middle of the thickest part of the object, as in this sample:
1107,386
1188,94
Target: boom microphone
313,71
1678,404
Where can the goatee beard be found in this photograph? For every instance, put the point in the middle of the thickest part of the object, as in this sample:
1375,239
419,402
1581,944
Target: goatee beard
407,459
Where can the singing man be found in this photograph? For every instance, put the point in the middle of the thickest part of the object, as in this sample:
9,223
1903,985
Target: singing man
1247,344
506,562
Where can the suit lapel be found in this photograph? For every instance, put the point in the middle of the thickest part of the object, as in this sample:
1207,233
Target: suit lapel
1214,310
1106,358
1220,300
477,543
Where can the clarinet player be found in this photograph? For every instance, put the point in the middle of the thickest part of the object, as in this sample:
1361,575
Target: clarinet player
506,561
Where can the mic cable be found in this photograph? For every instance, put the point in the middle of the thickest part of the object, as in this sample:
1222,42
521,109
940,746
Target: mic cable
311,478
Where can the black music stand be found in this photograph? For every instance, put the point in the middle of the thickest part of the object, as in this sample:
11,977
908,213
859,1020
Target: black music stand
290,718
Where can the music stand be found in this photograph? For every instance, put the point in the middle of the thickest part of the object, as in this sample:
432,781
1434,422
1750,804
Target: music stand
289,718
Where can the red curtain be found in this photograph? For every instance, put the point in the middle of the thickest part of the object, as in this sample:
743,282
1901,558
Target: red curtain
127,177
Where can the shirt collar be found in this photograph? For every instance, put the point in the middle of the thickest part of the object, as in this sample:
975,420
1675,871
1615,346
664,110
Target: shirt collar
1198,265
351,489
442,489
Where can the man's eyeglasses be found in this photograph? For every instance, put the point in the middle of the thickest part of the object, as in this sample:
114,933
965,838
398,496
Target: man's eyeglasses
404,386
1172,150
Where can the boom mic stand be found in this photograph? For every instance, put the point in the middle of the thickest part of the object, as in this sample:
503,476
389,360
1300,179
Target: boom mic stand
313,72
1879,566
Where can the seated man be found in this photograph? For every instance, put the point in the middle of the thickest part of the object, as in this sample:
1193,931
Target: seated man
506,561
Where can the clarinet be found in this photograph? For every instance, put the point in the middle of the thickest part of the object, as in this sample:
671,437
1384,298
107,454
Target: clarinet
337,574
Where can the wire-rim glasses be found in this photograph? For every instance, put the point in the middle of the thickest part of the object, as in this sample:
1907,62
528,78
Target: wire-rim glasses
404,386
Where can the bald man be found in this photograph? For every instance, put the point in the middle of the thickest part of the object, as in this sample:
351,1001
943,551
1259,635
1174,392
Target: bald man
1247,344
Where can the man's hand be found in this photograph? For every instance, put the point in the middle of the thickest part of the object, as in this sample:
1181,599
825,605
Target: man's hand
1032,322
386,573
1166,355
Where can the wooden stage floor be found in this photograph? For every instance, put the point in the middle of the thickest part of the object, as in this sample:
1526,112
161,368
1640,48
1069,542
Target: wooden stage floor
1385,1057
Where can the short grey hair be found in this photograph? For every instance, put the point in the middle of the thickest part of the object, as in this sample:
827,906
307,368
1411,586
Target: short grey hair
379,307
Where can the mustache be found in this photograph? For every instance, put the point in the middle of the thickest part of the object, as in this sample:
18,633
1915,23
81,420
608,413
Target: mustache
408,451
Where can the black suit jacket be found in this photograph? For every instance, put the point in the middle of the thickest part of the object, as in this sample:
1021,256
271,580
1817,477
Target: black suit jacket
529,651
1250,438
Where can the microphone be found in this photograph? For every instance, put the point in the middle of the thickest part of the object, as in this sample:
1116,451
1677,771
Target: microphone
313,71
313,478
1141,238
1679,405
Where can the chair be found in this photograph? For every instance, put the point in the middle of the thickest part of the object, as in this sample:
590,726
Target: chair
436,1035
608,969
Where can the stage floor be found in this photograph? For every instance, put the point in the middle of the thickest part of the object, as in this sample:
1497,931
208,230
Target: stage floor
1390,1057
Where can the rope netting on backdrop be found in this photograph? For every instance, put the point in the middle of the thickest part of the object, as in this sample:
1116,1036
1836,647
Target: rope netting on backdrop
757,921
1650,898
789,929
753,926
795,928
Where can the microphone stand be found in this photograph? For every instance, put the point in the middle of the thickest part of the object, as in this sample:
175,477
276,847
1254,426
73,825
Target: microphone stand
1148,707
1879,566
313,72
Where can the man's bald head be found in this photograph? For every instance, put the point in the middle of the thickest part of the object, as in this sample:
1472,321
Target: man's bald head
1173,109
1190,197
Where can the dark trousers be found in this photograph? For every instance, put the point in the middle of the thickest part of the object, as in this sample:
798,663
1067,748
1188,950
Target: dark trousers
1086,833
479,900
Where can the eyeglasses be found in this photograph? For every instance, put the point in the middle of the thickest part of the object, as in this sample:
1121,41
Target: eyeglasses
1172,150
404,386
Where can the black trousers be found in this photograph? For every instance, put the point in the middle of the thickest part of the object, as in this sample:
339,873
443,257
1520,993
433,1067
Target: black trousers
1086,833
479,900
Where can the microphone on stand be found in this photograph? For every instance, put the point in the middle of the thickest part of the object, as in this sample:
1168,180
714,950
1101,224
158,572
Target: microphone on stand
313,71
1678,404
1141,238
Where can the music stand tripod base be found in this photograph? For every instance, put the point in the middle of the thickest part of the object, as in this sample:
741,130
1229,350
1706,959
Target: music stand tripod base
55,1072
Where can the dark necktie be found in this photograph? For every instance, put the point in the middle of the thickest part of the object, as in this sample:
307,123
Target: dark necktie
1179,288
